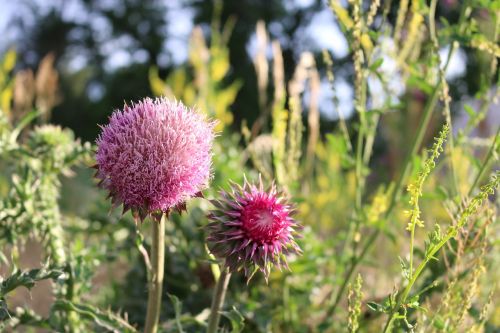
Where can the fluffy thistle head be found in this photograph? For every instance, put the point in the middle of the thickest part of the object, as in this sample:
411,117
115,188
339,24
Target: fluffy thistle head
252,229
154,155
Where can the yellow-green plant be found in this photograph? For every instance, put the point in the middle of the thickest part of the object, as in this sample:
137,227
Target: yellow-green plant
199,83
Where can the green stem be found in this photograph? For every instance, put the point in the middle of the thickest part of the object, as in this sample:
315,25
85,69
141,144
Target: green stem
414,278
218,300
361,163
485,165
452,231
450,149
370,139
412,241
399,185
406,167
359,166
155,283
395,194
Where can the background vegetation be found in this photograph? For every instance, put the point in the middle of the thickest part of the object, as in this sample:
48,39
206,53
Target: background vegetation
395,187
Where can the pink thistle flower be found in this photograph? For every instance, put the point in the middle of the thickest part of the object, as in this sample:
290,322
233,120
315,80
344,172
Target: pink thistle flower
252,229
154,155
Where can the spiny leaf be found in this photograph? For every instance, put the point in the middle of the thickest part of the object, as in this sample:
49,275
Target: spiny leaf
27,278
107,320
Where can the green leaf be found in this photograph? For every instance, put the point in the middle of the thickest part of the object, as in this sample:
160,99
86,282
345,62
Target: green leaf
107,320
178,311
439,323
421,84
27,279
404,268
375,307
236,318
25,120
470,111
376,64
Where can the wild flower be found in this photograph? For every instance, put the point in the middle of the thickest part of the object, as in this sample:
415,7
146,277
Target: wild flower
354,299
415,189
154,155
252,229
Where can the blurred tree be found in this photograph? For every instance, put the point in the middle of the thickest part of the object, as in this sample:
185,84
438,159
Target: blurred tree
83,35
104,49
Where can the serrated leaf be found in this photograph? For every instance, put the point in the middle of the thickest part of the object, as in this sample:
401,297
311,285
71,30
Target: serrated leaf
107,320
27,279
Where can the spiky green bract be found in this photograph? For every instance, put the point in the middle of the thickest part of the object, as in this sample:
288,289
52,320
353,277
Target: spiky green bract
252,229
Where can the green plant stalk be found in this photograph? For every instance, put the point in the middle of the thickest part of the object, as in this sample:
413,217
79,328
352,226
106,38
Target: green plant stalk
450,234
54,241
331,78
406,166
368,147
218,300
399,185
451,142
452,231
155,283
395,195
451,155
486,163
417,187
412,242
359,166
485,100
362,152
432,23
370,139
362,159
363,133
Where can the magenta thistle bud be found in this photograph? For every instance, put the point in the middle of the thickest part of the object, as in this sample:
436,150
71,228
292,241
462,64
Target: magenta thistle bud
252,229
154,155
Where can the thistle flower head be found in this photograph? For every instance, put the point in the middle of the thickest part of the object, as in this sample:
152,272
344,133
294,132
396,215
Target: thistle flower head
252,229
154,155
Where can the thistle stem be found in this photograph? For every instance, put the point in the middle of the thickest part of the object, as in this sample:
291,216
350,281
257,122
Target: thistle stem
218,300
155,283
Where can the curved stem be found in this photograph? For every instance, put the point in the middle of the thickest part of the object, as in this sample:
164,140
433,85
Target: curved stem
218,300
155,283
